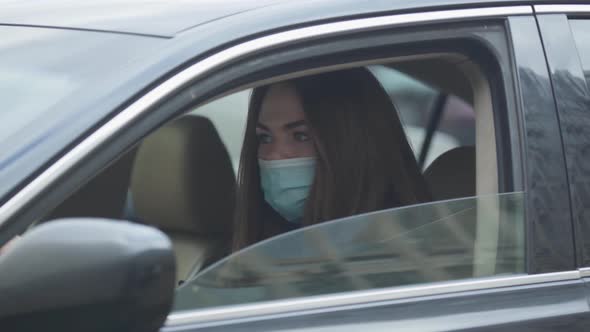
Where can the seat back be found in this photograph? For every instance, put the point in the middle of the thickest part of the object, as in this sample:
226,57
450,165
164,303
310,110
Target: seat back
452,174
183,183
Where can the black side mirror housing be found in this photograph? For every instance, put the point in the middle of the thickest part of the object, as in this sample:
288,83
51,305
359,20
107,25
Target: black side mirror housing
87,275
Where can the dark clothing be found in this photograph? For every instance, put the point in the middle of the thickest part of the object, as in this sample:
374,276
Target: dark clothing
273,223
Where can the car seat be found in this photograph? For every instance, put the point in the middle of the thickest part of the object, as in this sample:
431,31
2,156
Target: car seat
452,174
183,183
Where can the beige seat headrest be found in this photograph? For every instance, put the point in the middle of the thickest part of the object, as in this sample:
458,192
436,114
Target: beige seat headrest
183,180
452,174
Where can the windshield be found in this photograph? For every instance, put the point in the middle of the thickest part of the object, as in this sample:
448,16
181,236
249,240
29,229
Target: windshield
439,241
49,78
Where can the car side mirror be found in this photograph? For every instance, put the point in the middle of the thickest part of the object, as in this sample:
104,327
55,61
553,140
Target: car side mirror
87,275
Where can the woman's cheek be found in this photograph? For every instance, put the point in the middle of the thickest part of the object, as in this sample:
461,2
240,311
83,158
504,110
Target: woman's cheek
262,151
308,149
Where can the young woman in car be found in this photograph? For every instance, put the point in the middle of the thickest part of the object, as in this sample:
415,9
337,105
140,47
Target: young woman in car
319,148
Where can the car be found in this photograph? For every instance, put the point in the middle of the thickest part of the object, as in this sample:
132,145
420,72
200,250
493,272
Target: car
122,124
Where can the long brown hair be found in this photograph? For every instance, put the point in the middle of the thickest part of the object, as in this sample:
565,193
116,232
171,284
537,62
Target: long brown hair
364,160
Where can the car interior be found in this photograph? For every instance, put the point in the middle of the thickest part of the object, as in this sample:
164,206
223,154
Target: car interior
182,177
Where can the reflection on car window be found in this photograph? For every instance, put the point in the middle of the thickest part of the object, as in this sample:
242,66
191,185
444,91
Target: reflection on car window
464,238
580,30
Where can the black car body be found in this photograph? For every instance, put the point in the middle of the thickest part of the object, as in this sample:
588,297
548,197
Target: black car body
119,70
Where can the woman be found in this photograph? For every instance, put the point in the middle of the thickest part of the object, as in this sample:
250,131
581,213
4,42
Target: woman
319,148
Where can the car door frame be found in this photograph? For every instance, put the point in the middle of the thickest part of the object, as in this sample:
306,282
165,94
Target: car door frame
565,285
572,94
545,258
112,139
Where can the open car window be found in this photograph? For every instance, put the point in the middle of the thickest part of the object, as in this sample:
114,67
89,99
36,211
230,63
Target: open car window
449,240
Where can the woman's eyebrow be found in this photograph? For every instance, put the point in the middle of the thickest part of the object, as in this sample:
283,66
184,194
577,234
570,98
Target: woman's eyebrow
260,125
295,124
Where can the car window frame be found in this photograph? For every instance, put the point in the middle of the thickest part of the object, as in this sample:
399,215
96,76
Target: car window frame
97,150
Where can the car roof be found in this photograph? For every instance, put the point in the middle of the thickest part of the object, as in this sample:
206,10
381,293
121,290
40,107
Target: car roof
150,17
166,18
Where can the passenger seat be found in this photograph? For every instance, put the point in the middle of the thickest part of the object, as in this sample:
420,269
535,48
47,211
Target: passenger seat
183,183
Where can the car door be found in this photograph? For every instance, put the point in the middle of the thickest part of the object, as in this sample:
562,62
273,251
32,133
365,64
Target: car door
262,289
564,30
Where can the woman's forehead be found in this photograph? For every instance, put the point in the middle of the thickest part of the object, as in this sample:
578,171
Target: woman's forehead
280,105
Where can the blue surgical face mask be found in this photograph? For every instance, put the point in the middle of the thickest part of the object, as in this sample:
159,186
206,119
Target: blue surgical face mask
286,184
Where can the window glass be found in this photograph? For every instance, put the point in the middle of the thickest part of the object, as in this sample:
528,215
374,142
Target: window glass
473,237
580,29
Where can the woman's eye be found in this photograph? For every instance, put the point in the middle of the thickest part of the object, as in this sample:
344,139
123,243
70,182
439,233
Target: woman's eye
301,136
264,138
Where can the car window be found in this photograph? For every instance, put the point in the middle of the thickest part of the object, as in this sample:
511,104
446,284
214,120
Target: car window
580,30
450,170
403,246
183,178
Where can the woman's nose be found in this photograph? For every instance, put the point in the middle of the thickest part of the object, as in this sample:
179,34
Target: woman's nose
279,151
